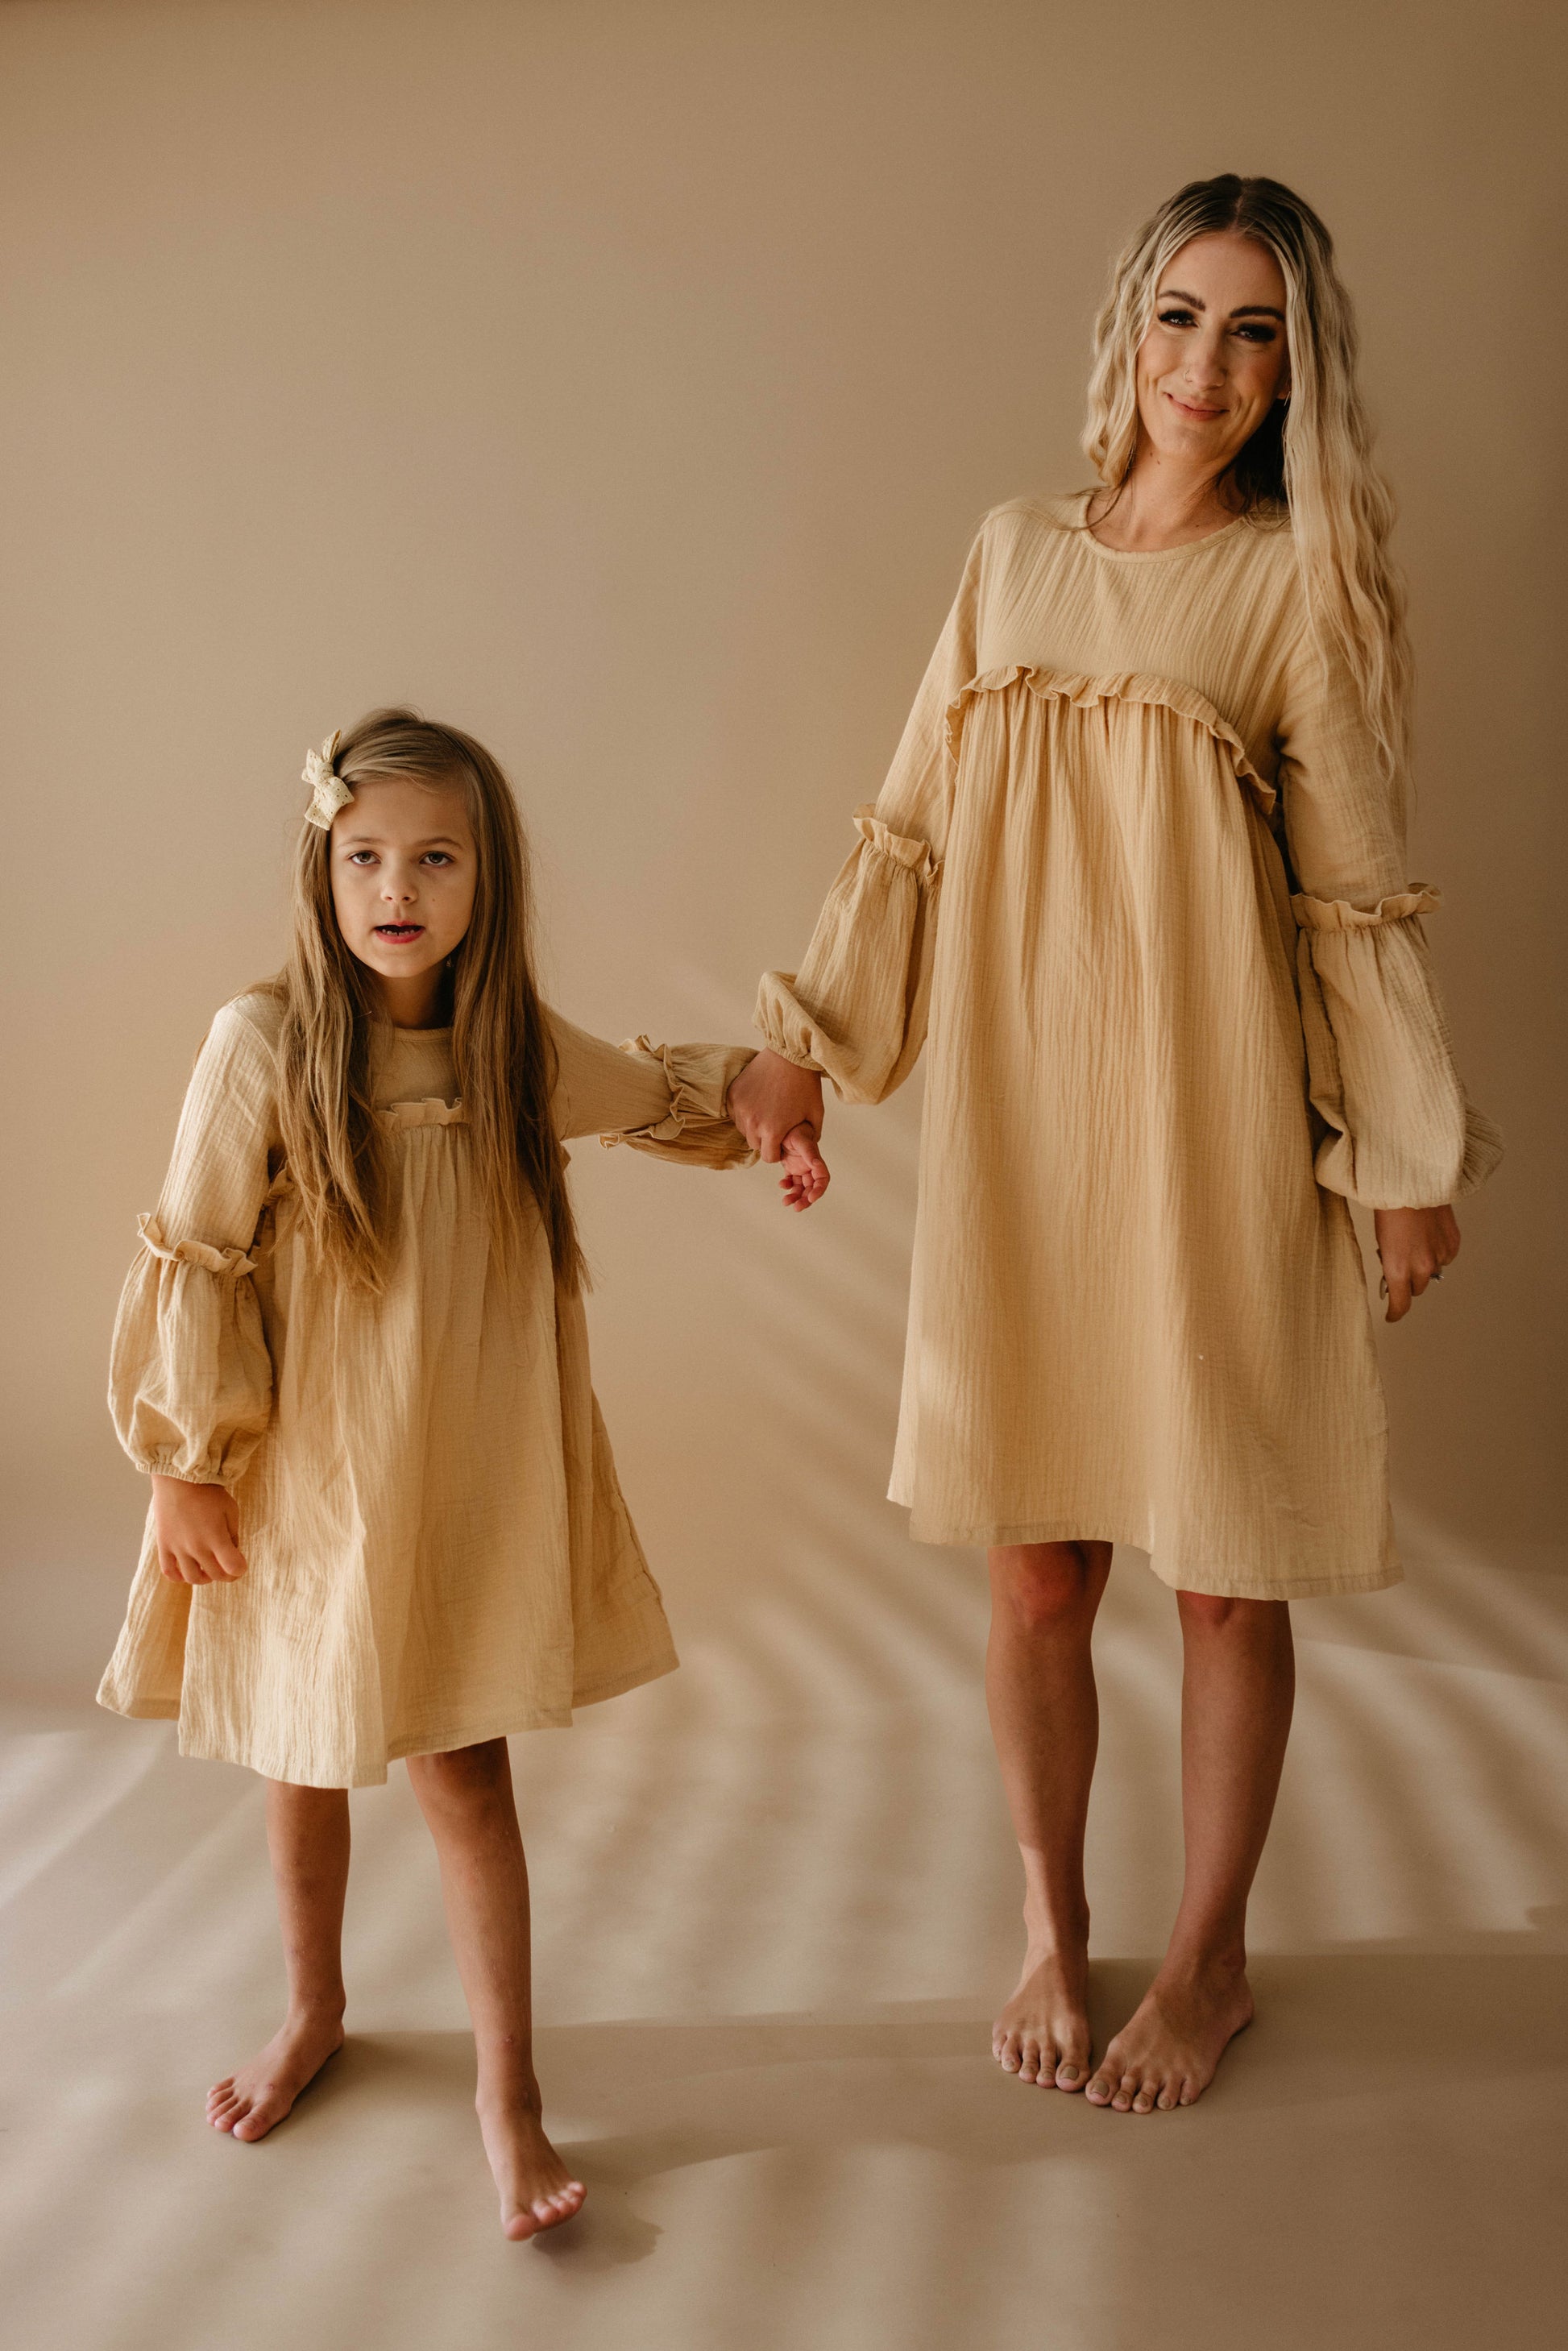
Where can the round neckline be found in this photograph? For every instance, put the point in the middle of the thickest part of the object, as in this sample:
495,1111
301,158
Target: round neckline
392,1029
1150,554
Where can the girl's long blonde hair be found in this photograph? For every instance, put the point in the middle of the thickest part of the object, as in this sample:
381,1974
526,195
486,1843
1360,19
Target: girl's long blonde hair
1312,458
501,1047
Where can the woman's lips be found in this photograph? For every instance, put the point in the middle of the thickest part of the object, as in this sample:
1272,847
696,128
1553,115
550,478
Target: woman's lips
400,933
1189,408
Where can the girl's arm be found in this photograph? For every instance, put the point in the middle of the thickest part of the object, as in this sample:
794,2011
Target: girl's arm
670,1100
1402,1137
856,1010
191,1379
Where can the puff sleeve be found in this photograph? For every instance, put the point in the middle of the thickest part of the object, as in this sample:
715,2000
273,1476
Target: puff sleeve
857,1008
1399,1132
191,1378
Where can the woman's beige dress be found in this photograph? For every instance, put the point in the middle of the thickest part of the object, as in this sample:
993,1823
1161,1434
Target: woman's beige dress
1135,877
437,1547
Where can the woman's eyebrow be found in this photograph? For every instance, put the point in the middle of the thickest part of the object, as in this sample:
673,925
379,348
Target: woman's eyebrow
1243,311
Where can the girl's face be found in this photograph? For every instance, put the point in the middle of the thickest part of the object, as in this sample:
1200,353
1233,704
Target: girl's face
404,869
1215,358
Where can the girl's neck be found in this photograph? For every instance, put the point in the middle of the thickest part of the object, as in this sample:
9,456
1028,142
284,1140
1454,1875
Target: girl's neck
418,1002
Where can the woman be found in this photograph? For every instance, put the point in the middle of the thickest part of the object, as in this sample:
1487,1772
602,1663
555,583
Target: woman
1138,872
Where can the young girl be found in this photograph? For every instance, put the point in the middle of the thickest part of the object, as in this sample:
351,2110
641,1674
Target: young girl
352,1355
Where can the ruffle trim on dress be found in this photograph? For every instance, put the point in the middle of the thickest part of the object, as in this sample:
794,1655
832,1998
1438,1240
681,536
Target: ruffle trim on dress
1339,915
917,857
213,1261
1138,688
431,1111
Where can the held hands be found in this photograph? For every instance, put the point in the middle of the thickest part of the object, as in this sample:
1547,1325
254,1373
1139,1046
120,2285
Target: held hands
1414,1245
198,1532
779,1109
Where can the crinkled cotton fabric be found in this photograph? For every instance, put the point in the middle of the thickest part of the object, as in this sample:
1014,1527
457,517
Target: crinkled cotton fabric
438,1550
1137,886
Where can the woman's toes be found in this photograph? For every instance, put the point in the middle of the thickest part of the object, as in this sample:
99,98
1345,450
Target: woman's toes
1069,2076
1028,2062
1099,2091
1143,2104
1009,2055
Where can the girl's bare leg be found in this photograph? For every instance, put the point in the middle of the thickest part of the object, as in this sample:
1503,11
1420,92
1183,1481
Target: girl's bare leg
307,1837
1237,1691
1045,1720
466,1799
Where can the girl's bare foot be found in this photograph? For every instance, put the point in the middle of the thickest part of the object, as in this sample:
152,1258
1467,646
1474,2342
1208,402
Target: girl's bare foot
537,2190
1042,2034
247,2103
1167,2053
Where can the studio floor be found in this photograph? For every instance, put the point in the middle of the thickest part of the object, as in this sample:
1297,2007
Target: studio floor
775,1900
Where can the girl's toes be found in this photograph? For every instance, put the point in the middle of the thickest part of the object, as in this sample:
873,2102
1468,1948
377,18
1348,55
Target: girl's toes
1008,2054
1029,2070
1169,2097
1099,2091
1069,2076
1143,2104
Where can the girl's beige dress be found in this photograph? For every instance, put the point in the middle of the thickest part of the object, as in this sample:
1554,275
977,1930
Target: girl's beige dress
1133,876
437,1547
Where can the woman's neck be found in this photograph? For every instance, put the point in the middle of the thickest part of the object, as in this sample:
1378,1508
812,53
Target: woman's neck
1160,504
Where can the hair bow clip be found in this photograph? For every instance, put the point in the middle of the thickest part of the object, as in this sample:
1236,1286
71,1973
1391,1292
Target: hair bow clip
329,792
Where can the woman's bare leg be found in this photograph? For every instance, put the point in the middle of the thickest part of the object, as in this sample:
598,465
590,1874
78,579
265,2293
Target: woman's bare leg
308,1838
1045,1720
466,1799
1237,1691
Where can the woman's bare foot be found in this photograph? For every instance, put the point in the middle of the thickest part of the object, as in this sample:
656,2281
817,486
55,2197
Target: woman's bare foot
1042,2034
247,2103
537,2190
1168,2051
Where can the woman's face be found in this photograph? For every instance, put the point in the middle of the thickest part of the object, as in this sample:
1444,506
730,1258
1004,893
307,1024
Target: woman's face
1215,358
404,869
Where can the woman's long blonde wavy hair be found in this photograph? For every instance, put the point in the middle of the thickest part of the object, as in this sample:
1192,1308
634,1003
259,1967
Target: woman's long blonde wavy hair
1312,458
501,1047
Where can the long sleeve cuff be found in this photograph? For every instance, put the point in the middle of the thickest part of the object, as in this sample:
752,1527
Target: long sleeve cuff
191,1378
856,1011
696,1129
1400,1133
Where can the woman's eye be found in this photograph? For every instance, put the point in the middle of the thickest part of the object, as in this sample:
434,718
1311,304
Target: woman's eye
1257,334
1175,318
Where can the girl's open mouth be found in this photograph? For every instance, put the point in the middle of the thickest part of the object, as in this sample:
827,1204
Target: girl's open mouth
399,934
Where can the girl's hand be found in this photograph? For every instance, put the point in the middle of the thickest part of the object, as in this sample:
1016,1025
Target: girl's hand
805,1177
1414,1245
198,1532
770,1098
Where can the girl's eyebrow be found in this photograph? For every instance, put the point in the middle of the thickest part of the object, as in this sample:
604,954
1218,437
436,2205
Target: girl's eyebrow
1243,311
374,840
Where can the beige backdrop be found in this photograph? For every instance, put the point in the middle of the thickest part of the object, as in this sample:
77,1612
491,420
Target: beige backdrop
624,383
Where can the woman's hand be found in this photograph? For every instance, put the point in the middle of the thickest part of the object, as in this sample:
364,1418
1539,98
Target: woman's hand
198,1532
770,1098
1414,1245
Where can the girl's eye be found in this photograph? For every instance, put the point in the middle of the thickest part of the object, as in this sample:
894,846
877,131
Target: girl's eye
362,856
438,857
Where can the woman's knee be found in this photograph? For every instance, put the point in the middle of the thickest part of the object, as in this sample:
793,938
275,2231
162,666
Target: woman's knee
1042,1587
1243,1619
461,1775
